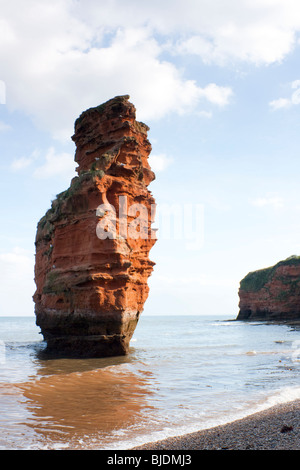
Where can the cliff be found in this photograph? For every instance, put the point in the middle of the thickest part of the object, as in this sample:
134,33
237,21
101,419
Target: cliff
272,293
92,246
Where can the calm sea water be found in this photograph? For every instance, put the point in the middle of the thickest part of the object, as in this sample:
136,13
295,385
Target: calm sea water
182,374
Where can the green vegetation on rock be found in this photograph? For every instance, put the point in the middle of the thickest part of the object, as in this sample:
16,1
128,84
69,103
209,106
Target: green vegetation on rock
46,224
99,109
114,102
55,284
256,280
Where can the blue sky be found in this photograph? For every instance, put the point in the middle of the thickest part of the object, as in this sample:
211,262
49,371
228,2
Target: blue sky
217,81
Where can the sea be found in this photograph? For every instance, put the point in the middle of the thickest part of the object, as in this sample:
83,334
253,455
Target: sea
182,374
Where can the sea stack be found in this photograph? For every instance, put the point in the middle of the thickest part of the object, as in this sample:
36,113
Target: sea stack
272,293
92,246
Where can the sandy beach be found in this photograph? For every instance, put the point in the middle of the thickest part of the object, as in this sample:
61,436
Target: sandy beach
277,428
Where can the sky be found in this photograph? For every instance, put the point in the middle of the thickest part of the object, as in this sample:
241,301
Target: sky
217,82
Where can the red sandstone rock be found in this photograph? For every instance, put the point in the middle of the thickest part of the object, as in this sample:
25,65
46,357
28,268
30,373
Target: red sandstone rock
272,293
90,290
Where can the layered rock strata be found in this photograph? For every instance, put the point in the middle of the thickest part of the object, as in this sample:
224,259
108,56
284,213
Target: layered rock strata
92,246
272,293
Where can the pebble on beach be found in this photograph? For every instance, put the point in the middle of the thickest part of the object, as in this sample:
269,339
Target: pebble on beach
277,428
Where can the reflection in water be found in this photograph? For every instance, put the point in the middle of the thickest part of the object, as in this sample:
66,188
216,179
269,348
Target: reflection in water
53,366
74,403
66,407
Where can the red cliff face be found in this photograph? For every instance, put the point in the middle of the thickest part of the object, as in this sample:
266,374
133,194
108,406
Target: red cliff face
272,293
92,246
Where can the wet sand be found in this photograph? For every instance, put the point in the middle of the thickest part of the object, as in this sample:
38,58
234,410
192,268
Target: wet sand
277,428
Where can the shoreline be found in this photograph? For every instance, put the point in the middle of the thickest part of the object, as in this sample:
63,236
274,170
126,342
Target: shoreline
276,428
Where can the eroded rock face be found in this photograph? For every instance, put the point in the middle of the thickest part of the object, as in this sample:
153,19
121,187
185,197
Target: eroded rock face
92,246
272,293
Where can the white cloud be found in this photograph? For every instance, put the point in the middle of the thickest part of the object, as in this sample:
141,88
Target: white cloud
216,94
204,114
270,201
2,90
280,103
259,31
59,58
21,163
256,43
295,84
159,162
4,127
17,256
294,99
71,56
24,162
56,164
16,282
